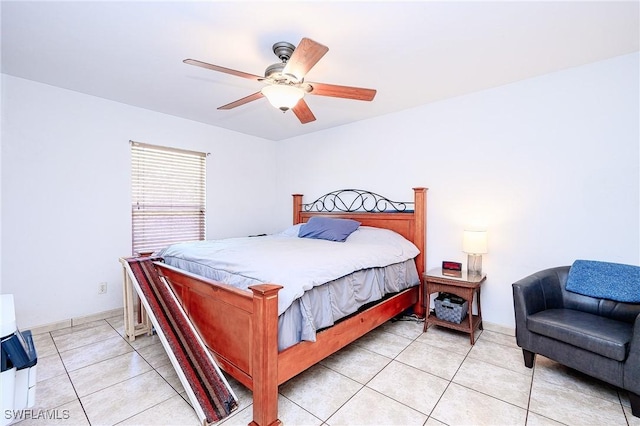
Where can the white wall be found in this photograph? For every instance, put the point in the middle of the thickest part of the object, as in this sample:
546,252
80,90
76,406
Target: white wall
550,166
66,185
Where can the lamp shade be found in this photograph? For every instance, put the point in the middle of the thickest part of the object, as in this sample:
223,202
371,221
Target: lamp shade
474,242
283,96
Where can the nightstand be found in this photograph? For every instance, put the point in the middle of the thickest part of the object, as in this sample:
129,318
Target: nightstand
463,285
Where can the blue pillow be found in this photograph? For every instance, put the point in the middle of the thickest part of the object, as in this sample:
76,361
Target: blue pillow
327,228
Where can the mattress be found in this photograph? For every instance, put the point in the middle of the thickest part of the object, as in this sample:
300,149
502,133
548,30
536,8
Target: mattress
323,281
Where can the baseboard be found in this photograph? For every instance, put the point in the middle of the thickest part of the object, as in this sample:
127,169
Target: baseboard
498,328
71,322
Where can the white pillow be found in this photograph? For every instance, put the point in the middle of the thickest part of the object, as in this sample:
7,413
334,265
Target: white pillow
380,236
291,231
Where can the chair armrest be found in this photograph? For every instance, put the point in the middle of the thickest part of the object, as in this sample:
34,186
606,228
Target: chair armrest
632,363
540,291
535,293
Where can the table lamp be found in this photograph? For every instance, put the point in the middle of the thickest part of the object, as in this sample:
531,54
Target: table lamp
474,243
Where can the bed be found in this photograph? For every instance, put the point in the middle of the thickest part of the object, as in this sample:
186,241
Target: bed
240,327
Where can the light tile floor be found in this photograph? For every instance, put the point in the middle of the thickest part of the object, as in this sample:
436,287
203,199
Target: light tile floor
395,375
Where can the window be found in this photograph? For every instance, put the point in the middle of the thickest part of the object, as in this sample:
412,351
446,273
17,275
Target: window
168,196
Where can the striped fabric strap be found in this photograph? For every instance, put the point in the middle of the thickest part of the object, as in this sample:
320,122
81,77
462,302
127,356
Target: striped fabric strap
209,387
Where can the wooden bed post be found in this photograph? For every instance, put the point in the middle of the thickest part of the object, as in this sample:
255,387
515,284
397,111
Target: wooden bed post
419,239
297,208
264,356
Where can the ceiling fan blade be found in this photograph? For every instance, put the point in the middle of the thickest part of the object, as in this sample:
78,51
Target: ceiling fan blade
304,57
222,69
347,92
243,101
303,112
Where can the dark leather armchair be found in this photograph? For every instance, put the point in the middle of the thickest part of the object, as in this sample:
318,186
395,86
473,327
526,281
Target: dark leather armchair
598,337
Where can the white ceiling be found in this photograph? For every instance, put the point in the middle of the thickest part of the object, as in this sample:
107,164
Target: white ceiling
413,53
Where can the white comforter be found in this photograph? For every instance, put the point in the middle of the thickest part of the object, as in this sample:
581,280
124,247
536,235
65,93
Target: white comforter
298,264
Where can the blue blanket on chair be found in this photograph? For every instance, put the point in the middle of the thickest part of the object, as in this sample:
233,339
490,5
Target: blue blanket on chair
605,280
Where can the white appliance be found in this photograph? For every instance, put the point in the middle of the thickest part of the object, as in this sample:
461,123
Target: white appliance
19,359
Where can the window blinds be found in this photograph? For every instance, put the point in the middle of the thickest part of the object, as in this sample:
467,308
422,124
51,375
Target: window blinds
168,196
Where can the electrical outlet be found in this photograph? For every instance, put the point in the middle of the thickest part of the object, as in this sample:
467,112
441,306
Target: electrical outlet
102,288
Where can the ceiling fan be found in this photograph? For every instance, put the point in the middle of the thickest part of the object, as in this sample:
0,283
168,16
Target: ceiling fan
286,87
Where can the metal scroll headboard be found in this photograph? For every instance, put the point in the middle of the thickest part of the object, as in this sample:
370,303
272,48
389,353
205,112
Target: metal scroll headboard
353,200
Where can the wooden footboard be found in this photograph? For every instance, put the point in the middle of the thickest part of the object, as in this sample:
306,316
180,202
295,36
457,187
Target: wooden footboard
241,331
241,328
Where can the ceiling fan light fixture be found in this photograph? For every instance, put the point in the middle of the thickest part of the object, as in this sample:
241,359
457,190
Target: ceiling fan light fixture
285,80
281,96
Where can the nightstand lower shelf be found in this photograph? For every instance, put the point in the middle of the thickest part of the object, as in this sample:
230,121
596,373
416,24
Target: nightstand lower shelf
463,326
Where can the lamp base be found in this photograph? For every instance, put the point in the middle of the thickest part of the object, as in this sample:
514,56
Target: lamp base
474,264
